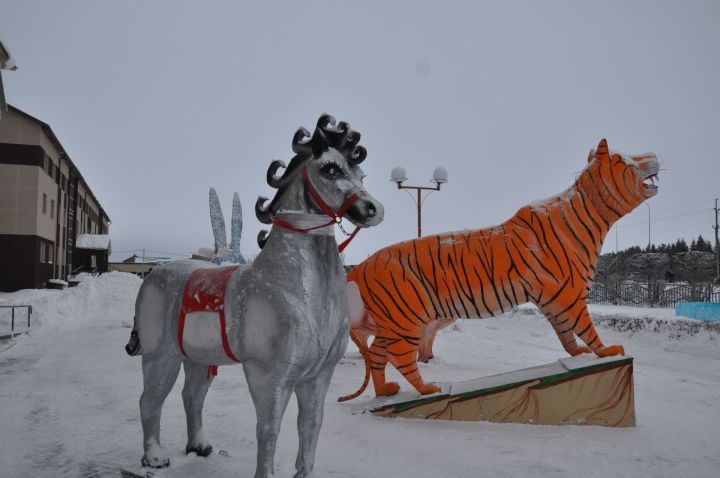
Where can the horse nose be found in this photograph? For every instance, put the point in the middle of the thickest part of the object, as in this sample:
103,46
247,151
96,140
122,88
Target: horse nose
371,210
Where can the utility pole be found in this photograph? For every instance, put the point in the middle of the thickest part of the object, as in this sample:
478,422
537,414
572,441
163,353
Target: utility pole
649,241
717,247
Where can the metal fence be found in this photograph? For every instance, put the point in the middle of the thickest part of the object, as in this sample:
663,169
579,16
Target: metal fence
14,321
659,294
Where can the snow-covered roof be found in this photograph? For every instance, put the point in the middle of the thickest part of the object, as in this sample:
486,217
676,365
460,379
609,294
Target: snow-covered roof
98,242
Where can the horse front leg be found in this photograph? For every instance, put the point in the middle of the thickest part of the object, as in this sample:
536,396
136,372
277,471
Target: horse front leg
311,403
270,391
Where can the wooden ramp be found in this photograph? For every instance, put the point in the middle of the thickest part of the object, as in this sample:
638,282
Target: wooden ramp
583,390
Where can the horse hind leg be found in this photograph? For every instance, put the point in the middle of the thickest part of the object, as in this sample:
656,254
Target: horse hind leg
197,382
159,375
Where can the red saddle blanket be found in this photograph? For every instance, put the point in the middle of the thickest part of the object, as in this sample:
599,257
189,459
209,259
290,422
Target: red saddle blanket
204,299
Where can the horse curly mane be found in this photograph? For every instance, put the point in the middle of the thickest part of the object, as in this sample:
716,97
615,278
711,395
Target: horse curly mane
306,147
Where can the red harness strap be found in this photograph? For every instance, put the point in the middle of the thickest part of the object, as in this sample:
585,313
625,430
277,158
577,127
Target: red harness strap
205,292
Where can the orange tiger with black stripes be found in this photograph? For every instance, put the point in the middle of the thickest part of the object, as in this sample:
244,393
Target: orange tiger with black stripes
545,254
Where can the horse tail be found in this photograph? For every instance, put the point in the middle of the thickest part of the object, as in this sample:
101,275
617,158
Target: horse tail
362,345
133,346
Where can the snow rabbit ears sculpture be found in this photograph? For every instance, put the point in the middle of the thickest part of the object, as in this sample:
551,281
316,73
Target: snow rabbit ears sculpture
331,185
223,251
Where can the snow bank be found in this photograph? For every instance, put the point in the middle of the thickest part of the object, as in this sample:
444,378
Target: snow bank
655,327
108,299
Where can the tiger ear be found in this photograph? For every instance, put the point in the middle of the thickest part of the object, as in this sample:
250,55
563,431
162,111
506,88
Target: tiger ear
591,155
602,150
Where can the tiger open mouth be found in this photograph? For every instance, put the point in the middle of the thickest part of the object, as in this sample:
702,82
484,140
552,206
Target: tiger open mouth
649,182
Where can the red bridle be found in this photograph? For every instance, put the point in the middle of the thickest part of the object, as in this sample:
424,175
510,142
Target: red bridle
336,217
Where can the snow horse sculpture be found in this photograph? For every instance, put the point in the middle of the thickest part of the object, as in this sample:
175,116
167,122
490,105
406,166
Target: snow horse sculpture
284,316
225,252
545,254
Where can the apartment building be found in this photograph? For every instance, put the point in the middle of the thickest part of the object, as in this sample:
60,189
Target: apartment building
45,206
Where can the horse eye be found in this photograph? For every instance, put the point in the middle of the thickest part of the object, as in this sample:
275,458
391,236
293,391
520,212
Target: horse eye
332,170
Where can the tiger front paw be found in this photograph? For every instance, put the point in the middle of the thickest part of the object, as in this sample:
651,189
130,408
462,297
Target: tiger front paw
387,389
610,351
427,388
578,350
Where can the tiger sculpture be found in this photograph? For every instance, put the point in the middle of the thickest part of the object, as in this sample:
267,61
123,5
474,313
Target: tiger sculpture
545,254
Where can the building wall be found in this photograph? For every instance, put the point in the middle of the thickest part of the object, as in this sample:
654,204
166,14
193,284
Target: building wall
18,199
17,129
34,202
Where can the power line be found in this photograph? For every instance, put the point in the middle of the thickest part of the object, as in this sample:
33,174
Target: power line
683,205
701,211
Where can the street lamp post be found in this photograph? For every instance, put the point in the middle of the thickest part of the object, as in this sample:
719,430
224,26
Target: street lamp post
397,175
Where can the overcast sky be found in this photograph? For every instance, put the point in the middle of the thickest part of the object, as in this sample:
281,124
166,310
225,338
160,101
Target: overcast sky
156,102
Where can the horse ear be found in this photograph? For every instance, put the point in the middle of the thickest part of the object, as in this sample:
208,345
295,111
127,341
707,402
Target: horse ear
602,150
320,143
591,155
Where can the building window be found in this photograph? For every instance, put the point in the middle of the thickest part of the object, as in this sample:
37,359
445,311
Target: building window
44,203
52,209
51,254
42,252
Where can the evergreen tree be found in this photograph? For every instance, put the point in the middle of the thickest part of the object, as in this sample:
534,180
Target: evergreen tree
682,245
702,245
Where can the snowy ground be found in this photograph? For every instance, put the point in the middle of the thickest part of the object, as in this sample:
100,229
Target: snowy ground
68,404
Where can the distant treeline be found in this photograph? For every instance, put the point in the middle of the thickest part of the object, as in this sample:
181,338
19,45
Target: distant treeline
672,262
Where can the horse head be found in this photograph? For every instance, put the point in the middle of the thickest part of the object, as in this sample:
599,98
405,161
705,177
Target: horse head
323,178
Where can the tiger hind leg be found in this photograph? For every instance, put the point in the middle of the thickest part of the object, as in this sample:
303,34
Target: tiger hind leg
378,362
403,356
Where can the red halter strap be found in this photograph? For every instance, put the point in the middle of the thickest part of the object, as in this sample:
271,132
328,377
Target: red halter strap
336,217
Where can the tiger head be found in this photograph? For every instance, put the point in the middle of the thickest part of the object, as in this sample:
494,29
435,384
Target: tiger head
623,182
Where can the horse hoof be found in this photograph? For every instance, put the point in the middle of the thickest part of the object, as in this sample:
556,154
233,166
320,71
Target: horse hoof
155,462
199,450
